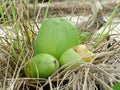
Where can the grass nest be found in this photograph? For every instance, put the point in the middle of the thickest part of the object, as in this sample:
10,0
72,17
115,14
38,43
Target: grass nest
19,31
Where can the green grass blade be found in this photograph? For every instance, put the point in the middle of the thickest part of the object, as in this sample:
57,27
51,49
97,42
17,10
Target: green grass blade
106,25
46,12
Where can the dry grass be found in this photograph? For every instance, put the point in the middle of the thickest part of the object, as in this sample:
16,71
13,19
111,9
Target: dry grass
19,26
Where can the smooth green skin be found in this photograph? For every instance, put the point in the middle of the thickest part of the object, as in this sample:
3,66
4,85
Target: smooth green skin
68,57
56,36
41,66
116,86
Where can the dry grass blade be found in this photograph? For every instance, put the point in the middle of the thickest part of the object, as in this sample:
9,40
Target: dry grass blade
85,80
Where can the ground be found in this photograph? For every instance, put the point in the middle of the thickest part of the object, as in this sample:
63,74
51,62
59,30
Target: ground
19,24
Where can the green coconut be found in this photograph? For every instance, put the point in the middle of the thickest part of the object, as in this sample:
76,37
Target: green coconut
41,66
76,56
68,57
55,36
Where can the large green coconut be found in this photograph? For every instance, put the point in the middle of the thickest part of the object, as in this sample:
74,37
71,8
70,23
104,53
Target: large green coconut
41,66
55,36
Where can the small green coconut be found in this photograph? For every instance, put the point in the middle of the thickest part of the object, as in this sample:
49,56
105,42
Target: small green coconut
76,56
55,36
68,57
41,66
